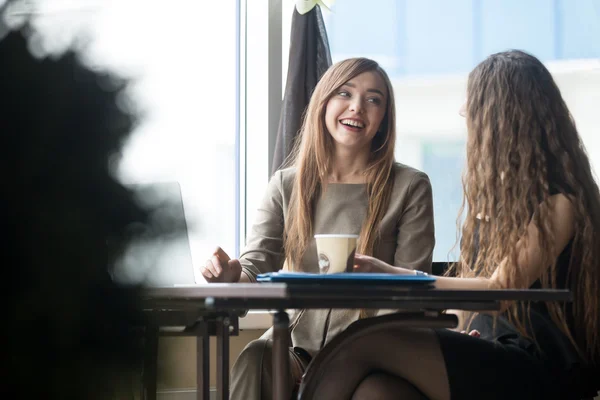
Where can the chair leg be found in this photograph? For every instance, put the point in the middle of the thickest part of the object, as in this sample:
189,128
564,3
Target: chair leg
149,372
202,362
223,359
281,360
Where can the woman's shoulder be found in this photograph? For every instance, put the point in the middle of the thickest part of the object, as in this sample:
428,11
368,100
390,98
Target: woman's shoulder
287,173
407,175
285,176
283,179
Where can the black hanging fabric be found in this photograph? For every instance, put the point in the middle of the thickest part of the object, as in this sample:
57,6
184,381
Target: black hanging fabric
309,58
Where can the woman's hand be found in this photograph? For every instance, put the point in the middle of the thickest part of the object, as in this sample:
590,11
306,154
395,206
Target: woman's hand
474,333
364,263
221,268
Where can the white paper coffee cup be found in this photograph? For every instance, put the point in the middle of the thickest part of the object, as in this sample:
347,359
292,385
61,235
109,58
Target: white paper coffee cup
336,252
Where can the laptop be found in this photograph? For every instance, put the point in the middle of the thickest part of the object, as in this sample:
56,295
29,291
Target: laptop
166,261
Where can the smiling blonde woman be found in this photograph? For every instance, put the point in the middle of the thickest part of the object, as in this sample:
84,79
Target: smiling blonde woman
341,178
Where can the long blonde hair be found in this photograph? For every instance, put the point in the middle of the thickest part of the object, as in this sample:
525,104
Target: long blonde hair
523,146
312,159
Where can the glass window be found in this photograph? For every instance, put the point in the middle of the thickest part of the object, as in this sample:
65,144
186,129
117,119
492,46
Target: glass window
182,60
443,160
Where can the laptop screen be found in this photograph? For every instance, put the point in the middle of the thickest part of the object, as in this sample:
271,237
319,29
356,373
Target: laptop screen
162,261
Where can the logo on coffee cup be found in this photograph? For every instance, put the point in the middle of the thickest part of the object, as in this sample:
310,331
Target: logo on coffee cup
323,263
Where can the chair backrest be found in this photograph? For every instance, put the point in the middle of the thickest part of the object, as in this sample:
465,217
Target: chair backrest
440,267
313,373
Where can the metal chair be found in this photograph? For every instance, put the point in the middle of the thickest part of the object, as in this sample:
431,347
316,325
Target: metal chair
313,375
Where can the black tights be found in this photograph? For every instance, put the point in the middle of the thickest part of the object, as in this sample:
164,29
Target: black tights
382,386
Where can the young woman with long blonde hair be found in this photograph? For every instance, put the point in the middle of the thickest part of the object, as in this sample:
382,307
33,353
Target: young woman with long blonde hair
342,179
532,220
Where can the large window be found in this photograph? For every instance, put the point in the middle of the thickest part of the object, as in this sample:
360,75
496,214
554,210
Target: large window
429,46
182,58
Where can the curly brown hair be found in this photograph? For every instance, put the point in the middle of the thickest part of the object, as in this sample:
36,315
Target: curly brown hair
522,148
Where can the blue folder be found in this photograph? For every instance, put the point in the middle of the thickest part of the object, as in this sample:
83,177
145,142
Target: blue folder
345,278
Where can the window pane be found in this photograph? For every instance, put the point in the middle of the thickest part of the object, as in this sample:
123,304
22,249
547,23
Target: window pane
443,161
183,71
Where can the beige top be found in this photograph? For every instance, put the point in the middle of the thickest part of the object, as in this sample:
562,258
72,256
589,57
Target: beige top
406,239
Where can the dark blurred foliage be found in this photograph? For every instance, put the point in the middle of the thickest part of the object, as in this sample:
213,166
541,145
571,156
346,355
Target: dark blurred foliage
68,330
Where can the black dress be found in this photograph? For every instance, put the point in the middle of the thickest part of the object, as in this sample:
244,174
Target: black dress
503,364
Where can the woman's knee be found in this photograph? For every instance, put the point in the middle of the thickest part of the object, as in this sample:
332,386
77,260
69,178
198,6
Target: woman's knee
250,376
382,386
255,352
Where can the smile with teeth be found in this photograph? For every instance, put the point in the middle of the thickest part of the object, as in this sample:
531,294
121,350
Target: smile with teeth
353,123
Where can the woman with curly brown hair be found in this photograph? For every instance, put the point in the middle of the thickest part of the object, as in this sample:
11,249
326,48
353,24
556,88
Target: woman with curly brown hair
532,212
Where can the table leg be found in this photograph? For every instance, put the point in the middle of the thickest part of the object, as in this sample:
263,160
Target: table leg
202,362
281,361
149,370
223,359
